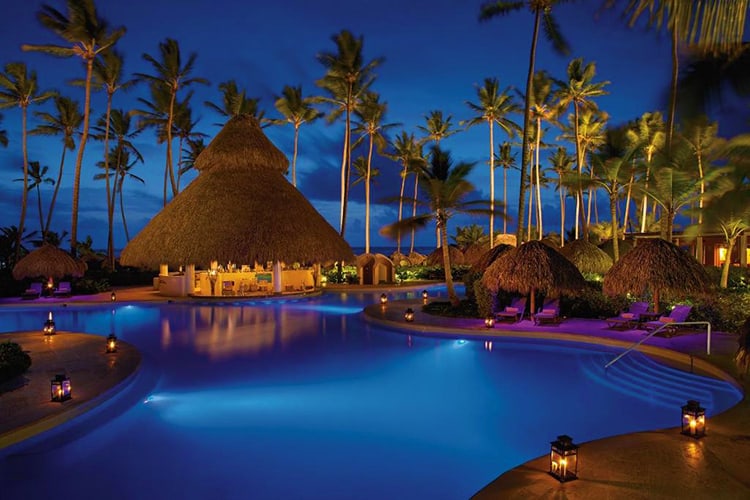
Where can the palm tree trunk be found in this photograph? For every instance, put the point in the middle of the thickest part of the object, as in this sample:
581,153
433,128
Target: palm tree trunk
41,217
538,179
526,120
367,197
492,183
294,155
562,214
122,211
505,198
626,216
54,193
673,91
170,122
180,144
414,212
442,228
25,195
110,208
724,283
580,212
79,157
401,207
613,216
347,158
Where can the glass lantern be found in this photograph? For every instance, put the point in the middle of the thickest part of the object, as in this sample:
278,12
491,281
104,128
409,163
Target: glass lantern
489,322
693,420
409,315
425,295
563,459
111,343
383,299
113,297
60,389
49,325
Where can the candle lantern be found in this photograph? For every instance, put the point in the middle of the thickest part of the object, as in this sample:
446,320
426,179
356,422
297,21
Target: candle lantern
113,297
489,322
693,420
425,294
383,299
60,389
112,343
409,315
49,325
563,459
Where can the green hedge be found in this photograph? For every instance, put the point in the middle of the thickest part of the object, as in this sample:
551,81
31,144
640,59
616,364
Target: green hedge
13,361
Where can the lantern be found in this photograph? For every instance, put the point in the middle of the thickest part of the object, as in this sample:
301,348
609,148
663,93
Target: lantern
563,459
111,343
409,315
489,322
425,294
113,297
383,299
693,420
49,325
60,389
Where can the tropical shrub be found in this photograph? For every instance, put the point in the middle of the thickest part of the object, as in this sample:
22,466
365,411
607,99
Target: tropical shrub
13,361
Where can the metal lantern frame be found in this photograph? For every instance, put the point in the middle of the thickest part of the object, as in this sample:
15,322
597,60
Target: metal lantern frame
693,421
111,343
489,322
563,459
409,315
49,325
60,388
425,294
383,299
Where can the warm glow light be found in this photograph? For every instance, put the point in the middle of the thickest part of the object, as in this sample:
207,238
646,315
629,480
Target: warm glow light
409,315
383,298
489,322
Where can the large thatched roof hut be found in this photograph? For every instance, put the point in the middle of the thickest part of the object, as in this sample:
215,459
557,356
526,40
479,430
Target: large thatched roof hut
47,261
488,257
658,266
587,257
239,208
531,267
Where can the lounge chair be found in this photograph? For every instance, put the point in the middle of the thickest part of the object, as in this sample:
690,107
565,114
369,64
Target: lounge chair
678,314
549,313
63,289
514,312
630,318
33,292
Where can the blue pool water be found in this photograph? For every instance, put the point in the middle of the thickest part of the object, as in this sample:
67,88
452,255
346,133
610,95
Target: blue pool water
304,399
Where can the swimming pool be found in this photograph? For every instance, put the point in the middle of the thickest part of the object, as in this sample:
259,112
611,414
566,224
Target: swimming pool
304,399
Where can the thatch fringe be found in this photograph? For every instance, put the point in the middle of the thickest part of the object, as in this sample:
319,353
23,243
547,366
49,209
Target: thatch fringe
47,261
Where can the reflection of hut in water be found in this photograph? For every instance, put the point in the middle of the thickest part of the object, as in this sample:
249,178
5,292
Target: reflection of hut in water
240,209
373,269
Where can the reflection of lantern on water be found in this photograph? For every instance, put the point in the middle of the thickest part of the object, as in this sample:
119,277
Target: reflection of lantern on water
409,341
60,389
488,345
111,343
49,325
563,459
693,420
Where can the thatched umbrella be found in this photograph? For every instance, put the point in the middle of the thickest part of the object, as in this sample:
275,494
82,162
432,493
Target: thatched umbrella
416,259
47,261
623,247
239,208
488,257
656,265
533,267
474,253
587,257
436,257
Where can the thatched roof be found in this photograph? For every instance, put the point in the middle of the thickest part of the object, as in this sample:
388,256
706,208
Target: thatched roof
47,261
658,266
587,257
533,266
436,257
623,247
474,253
399,259
239,212
489,257
373,258
239,144
417,259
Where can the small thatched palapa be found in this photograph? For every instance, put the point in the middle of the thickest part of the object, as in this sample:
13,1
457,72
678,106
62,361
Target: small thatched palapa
587,257
240,210
623,247
659,266
436,257
489,257
47,261
533,267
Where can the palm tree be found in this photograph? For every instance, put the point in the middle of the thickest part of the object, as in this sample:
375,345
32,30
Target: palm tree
194,148
347,77
184,129
437,127
493,107
701,136
38,176
296,110
579,91
561,163
363,173
172,76
542,11
407,149
649,132
235,102
87,35
66,122
120,159
507,160
468,236
18,87
156,116
445,187
3,135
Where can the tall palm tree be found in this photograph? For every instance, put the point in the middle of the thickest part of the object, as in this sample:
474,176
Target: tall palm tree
370,115
407,149
445,187
347,77
38,176
86,36
120,159
156,115
437,127
66,122
171,75
648,131
493,108
506,160
701,136
191,152
18,87
579,90
296,110
542,11
184,130
364,173
235,102
561,162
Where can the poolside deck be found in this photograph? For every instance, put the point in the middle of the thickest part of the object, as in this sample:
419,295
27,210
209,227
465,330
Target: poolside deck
658,464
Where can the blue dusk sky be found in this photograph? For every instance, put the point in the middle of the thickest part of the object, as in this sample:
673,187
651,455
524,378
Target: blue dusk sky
436,54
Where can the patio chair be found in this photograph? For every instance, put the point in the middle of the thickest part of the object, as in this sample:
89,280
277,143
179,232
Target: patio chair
33,292
678,314
63,289
549,313
514,312
630,318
